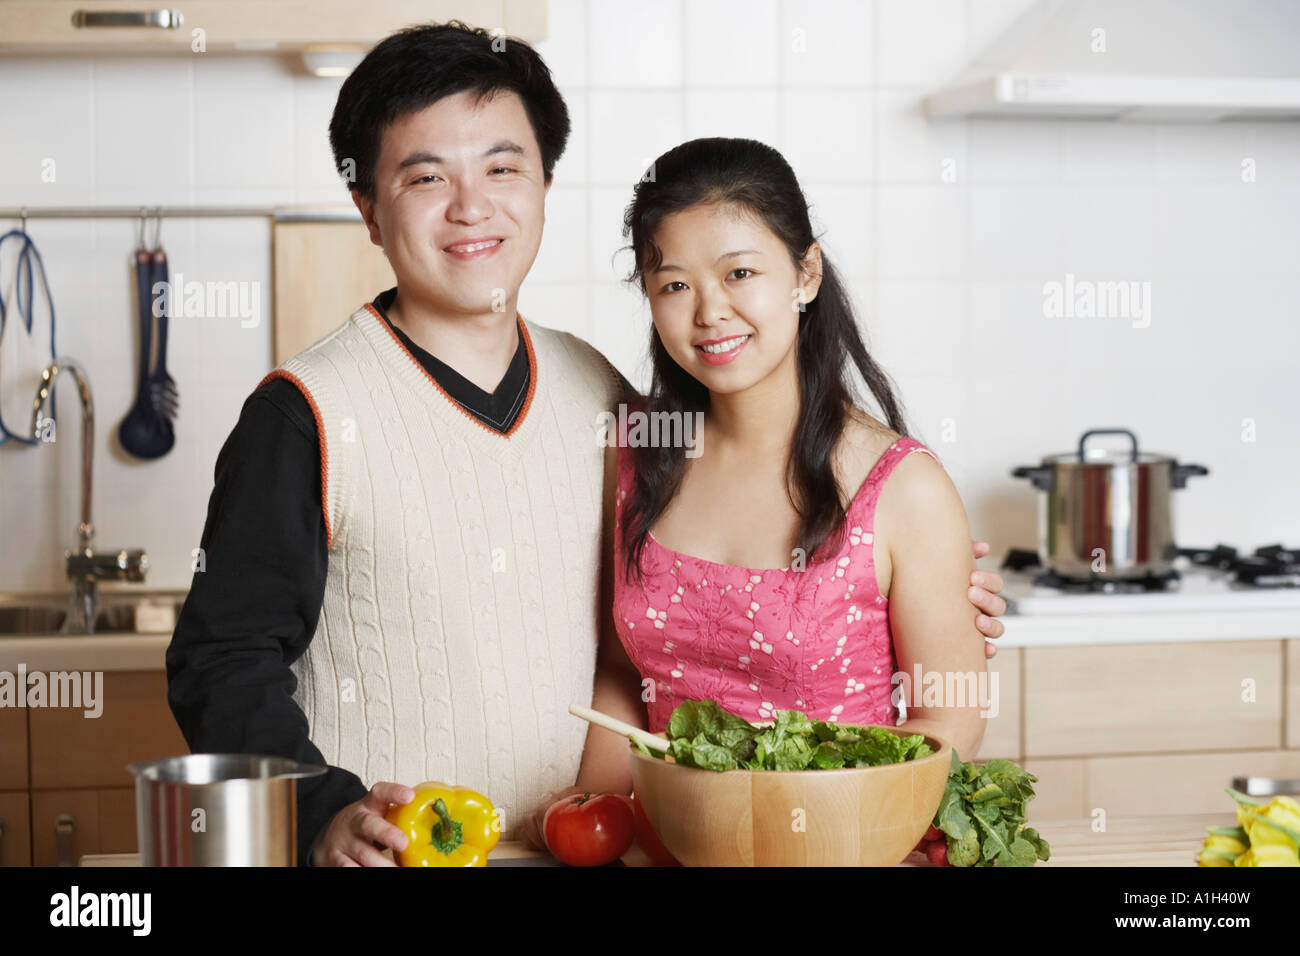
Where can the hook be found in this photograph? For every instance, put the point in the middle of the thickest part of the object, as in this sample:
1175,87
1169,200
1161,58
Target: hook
22,219
157,227
139,229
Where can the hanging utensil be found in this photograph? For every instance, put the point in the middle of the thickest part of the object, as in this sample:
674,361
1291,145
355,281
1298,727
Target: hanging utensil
144,433
26,310
162,386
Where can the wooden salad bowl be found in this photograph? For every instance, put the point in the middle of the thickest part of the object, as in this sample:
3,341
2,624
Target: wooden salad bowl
856,816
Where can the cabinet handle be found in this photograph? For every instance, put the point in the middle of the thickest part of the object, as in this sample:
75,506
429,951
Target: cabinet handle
64,825
163,19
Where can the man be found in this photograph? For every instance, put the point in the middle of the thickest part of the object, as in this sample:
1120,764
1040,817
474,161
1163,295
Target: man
403,544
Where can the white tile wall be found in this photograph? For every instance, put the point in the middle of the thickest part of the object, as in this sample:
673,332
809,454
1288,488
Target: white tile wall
947,232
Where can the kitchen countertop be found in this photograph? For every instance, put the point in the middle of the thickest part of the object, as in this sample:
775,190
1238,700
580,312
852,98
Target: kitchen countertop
1131,841
1204,607
84,652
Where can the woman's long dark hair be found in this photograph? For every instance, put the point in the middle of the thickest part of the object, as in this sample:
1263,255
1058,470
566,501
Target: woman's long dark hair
756,178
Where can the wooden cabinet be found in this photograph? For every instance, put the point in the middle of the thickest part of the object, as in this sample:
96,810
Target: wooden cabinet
67,824
79,797
1148,785
15,829
1157,729
13,749
76,26
1149,698
70,750
324,271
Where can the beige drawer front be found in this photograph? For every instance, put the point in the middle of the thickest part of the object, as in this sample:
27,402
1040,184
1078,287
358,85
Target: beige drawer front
1151,698
1293,693
1142,785
1002,735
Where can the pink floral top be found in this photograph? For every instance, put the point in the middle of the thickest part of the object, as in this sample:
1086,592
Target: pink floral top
760,640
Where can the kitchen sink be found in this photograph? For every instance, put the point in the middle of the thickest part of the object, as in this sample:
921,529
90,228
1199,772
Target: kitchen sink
144,613
31,619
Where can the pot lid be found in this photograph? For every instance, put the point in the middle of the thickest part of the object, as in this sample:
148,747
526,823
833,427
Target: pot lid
1121,449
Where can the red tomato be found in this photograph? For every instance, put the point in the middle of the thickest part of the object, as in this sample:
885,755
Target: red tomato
648,839
934,833
937,853
589,830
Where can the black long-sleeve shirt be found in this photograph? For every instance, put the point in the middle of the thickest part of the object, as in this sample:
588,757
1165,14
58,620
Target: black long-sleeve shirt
256,596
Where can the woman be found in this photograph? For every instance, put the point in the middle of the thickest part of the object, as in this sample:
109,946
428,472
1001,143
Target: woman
805,551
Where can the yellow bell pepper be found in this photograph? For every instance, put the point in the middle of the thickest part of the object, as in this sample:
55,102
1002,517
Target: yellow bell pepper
446,826
1221,848
1277,823
1270,854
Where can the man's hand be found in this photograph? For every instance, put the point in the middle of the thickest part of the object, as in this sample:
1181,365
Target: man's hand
350,838
985,586
530,831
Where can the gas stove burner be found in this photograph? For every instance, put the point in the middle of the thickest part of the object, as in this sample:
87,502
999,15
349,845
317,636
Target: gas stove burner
1220,556
1138,585
1018,559
1271,566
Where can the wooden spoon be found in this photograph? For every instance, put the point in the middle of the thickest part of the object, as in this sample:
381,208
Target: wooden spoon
619,727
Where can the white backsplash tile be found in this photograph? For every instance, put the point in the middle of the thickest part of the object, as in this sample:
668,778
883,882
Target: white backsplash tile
728,47
843,219
826,42
242,122
828,134
921,231
747,114
913,149
919,42
629,130
633,43
566,45
562,256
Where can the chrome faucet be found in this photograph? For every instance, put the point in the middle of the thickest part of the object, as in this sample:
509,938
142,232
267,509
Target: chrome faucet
85,566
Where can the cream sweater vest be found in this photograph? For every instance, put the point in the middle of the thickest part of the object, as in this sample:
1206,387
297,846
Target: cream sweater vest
460,611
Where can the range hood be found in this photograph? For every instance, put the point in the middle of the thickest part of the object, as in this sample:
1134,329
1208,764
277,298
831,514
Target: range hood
1137,60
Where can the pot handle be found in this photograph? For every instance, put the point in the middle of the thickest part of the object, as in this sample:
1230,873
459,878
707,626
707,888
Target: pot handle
1043,476
1179,474
1107,431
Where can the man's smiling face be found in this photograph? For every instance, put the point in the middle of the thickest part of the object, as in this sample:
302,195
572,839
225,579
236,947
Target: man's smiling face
460,202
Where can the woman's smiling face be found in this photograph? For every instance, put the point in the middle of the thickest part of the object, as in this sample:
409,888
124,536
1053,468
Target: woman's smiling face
725,299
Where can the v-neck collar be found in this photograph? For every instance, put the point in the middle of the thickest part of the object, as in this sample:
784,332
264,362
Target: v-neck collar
525,422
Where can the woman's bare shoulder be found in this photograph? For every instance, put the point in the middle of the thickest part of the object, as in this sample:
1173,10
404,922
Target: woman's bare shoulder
862,442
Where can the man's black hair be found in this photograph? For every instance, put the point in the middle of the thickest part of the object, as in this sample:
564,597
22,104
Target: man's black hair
416,67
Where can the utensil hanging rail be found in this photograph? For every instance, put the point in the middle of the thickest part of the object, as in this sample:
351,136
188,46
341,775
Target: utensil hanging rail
277,213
